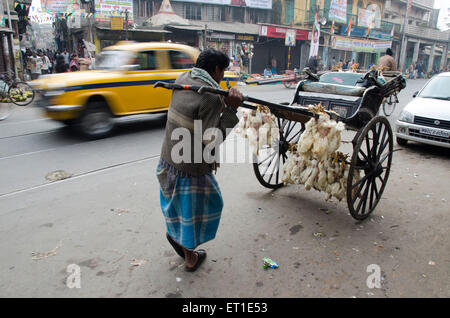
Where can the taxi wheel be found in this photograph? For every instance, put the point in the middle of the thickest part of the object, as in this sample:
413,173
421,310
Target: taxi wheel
96,121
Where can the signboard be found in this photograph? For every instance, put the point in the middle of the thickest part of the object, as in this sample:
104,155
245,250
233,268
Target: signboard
361,32
221,36
338,11
277,32
259,4
369,18
359,45
105,9
290,38
60,6
241,37
116,23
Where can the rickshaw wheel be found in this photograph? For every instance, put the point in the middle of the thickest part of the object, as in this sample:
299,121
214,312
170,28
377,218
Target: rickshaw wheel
267,165
371,161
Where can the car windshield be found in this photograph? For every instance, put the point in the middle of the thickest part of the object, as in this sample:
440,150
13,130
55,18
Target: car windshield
108,60
342,78
437,88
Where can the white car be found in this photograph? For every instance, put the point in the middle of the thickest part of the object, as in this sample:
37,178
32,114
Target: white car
426,119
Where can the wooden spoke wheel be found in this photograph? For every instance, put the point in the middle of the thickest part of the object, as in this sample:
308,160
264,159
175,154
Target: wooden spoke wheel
267,165
370,166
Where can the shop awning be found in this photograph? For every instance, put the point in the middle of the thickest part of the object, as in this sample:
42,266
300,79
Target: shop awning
135,30
228,27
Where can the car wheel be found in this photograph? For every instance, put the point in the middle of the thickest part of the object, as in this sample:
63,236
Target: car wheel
68,122
96,121
401,141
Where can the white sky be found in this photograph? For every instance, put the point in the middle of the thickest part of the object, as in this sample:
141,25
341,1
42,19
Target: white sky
443,5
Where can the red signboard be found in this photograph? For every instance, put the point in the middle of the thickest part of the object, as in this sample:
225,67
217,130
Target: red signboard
279,32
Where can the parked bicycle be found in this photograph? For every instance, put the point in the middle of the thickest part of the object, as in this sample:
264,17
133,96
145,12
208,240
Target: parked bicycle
389,104
13,91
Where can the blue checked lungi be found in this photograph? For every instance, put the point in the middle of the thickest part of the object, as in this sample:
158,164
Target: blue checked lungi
191,206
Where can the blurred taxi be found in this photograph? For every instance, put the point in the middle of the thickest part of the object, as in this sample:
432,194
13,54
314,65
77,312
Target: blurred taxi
120,85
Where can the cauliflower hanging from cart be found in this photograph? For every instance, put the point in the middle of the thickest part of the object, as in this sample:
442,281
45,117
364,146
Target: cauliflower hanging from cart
315,161
259,127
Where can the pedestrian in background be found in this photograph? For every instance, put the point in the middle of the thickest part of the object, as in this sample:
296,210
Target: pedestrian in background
274,65
313,64
46,65
60,64
267,71
74,65
387,62
36,65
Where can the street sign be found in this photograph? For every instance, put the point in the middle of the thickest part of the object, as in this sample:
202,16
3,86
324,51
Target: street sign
116,23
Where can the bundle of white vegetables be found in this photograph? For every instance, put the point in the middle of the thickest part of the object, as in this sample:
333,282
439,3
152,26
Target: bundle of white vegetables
315,161
259,126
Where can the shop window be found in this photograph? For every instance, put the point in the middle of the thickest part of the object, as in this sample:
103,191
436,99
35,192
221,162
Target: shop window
147,60
180,60
193,12
238,14
225,14
289,11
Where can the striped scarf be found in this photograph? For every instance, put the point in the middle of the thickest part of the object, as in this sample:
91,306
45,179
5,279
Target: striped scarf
204,76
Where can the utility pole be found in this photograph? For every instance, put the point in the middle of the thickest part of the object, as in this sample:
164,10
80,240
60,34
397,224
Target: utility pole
126,26
11,43
205,45
401,61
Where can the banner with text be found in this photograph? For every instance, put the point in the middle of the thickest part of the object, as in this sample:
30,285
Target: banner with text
338,11
368,18
105,9
359,45
278,32
60,6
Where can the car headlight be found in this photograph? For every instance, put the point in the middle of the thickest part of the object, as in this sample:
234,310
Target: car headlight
406,117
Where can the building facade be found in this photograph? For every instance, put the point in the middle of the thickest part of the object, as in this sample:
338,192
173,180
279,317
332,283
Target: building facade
422,41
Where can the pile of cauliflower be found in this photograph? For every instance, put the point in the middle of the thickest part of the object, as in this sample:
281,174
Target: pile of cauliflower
259,127
315,161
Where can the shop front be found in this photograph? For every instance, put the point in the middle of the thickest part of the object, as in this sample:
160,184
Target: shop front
363,46
365,52
271,48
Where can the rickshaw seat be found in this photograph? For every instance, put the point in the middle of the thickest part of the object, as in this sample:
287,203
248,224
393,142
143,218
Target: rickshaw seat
337,89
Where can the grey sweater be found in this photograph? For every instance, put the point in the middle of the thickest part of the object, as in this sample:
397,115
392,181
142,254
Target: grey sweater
185,107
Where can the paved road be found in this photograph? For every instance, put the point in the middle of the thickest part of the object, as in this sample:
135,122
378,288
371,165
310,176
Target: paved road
106,217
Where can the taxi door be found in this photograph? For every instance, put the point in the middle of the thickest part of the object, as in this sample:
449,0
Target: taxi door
139,92
155,65
173,62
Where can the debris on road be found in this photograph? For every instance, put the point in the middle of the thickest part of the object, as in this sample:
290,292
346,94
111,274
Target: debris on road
58,175
318,234
269,263
120,211
431,263
137,262
37,256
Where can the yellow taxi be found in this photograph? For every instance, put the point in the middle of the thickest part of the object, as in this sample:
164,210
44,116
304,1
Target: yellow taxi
120,85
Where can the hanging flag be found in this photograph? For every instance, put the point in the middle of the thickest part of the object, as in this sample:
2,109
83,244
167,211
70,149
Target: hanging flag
393,29
332,27
368,31
349,29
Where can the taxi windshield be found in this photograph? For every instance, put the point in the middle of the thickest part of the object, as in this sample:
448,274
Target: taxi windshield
108,60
